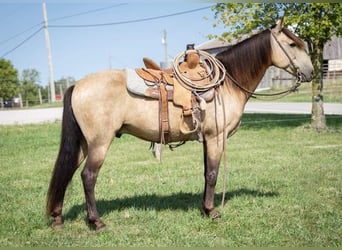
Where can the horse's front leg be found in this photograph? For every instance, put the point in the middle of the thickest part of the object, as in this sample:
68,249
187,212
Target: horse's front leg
212,155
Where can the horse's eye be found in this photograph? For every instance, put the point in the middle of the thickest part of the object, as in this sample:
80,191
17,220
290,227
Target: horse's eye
292,45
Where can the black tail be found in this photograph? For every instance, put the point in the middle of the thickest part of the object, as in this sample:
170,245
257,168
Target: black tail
67,159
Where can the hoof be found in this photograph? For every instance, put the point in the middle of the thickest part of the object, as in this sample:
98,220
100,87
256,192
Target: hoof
214,215
57,225
211,213
98,225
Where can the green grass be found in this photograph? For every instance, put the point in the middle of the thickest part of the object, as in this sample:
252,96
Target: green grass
284,189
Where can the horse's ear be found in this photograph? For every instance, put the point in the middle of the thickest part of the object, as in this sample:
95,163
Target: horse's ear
280,25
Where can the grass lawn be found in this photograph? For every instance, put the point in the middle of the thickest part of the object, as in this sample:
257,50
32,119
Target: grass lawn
284,189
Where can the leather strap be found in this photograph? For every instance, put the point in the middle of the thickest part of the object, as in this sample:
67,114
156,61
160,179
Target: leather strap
164,115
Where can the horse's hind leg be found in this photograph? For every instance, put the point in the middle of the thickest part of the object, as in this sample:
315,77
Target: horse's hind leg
96,156
212,157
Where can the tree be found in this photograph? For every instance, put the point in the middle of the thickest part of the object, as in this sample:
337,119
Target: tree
316,23
8,80
29,84
63,83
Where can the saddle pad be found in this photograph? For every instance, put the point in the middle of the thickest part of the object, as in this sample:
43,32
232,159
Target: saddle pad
136,85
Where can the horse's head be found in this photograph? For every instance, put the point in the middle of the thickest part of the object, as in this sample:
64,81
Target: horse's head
289,53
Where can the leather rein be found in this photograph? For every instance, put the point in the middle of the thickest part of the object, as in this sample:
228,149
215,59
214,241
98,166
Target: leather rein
282,93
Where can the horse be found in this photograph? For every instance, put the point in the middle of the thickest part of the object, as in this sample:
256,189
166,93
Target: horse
99,108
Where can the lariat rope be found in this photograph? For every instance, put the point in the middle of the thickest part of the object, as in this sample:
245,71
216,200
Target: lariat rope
224,141
217,73
215,70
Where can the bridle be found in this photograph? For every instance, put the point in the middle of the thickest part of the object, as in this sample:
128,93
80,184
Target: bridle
293,65
282,93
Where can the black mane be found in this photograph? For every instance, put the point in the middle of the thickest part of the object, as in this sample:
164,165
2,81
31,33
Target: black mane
245,60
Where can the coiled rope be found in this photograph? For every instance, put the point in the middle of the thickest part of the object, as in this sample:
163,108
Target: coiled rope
214,69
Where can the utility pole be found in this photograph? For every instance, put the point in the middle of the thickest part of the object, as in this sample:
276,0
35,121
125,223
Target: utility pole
48,47
164,65
110,61
166,59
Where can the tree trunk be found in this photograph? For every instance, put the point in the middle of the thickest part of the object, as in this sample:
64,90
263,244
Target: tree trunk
318,121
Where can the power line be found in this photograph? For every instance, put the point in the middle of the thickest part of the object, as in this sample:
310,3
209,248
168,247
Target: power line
93,25
86,12
20,33
61,18
51,20
129,21
24,41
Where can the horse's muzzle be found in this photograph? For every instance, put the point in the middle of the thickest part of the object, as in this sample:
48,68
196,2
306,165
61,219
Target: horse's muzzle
307,76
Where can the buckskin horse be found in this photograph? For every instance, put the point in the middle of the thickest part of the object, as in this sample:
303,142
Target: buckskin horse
99,108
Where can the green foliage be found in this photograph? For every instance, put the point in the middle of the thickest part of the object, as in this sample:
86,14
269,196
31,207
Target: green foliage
8,80
11,85
311,21
243,18
284,189
64,83
318,22
29,84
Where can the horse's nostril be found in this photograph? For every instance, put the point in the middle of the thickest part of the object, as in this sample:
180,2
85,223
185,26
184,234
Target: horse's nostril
311,75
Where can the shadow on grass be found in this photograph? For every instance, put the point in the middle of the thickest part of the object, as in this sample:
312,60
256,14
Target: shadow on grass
177,201
258,121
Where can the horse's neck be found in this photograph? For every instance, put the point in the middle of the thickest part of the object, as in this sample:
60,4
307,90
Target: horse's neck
255,79
245,84
250,72
247,62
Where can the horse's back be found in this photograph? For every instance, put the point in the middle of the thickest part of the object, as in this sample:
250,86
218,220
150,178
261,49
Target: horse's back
101,82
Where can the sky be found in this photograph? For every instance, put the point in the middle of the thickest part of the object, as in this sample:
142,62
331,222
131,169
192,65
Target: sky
119,33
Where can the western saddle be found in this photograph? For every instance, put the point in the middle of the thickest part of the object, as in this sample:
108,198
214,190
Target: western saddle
188,84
